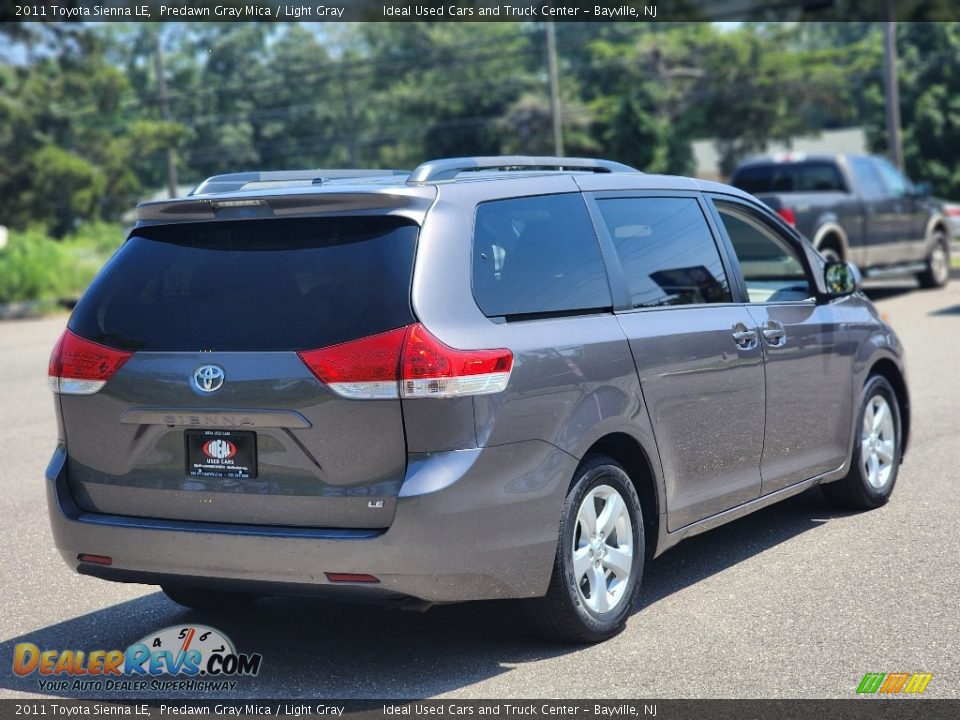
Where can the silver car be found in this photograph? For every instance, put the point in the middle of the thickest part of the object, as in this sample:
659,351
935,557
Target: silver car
505,377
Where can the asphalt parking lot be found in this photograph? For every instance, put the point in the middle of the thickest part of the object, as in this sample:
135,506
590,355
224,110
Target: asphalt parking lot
793,601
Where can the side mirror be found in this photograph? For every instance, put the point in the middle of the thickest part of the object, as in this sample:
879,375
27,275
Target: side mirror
921,189
841,278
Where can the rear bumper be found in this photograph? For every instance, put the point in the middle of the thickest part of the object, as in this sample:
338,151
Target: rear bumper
469,525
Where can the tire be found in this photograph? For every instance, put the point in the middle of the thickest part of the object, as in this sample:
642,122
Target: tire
874,466
937,273
572,610
830,253
198,598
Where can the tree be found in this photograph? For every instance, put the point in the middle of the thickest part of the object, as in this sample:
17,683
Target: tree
442,87
761,88
67,155
223,96
641,88
80,111
929,105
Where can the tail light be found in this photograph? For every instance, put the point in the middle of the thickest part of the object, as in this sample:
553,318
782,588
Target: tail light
81,367
361,369
432,369
788,215
952,210
408,362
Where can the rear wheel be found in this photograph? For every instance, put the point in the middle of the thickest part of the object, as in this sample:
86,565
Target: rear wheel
876,457
599,561
830,252
937,273
198,598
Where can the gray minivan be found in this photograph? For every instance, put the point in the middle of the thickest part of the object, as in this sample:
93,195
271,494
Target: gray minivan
507,377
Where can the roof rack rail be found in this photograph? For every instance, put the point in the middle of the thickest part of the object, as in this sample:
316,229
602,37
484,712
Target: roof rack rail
449,168
238,181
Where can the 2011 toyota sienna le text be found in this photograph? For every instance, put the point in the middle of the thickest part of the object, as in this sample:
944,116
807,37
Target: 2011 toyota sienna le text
504,377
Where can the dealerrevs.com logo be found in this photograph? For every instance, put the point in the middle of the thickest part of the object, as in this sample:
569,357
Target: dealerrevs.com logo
200,658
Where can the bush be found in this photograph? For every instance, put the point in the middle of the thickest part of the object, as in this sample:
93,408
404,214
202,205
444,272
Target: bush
33,266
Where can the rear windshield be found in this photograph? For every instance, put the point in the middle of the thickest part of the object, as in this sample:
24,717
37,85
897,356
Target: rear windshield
290,284
789,177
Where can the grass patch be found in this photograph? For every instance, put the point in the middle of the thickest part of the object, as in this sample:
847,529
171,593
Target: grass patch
36,267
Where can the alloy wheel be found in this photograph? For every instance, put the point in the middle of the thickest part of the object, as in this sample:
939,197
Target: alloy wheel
938,264
603,549
878,442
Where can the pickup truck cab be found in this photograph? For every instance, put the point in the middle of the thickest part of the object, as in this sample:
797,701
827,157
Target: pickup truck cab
857,208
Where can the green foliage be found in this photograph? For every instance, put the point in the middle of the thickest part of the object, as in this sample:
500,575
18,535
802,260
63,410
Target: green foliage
29,266
83,134
63,186
441,88
35,266
636,133
73,134
929,105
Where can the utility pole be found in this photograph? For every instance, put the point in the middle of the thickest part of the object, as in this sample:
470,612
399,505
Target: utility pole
165,113
892,87
554,91
351,122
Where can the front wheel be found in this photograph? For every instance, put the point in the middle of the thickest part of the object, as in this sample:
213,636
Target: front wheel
937,273
599,561
876,457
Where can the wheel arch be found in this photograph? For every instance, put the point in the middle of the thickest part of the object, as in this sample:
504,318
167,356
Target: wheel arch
887,368
830,232
935,223
630,453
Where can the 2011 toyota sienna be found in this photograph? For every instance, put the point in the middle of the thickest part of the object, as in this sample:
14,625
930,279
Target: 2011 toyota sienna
505,377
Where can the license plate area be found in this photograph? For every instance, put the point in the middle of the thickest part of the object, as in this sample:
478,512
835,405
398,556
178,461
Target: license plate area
221,454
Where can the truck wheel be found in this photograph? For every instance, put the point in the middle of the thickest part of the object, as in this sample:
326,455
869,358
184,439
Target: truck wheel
876,455
937,273
830,253
599,560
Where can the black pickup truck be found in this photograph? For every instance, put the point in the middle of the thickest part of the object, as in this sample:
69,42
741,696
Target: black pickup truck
858,208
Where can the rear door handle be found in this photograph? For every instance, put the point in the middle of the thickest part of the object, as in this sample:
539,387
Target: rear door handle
774,333
743,337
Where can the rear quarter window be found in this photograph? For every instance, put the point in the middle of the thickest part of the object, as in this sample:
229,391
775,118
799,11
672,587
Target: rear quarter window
273,284
537,255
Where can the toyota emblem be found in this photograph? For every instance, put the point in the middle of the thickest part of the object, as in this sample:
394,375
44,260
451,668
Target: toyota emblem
208,378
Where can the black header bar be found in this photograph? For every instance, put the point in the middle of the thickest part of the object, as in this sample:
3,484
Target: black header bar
647,11
575,709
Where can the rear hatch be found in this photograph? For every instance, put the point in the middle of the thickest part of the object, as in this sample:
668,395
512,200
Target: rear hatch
213,415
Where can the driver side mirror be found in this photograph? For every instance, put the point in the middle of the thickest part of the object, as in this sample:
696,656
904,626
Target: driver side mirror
841,278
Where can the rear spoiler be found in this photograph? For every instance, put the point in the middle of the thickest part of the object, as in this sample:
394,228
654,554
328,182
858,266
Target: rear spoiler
407,202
